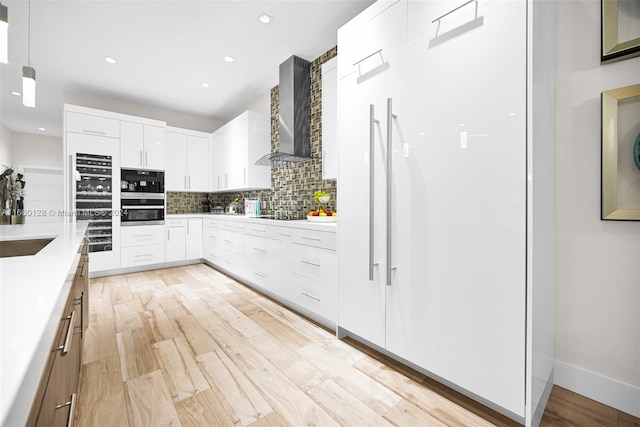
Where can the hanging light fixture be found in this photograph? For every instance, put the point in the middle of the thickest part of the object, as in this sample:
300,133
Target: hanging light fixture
4,34
29,74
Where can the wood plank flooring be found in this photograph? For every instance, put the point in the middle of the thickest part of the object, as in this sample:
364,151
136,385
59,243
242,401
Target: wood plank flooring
188,346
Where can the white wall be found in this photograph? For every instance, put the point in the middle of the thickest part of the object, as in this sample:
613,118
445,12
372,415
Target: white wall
5,147
598,262
172,118
36,150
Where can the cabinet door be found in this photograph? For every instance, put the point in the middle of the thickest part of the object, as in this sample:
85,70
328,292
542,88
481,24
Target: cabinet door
131,145
154,147
330,119
194,238
372,36
216,153
92,125
175,177
236,153
175,240
198,163
456,304
362,301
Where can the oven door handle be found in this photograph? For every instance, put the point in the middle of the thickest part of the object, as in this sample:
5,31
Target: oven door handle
143,207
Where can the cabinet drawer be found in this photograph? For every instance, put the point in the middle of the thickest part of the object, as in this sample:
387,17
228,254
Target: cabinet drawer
318,239
92,125
141,235
142,255
270,231
318,297
175,223
315,263
264,275
230,241
264,250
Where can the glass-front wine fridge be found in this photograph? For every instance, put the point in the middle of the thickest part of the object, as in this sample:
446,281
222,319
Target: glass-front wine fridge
94,182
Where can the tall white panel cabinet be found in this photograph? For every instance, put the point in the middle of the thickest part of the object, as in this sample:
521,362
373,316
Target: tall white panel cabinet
330,119
444,236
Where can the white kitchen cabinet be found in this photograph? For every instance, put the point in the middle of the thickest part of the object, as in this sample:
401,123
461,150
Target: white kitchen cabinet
193,239
142,245
175,240
235,147
92,124
142,146
187,154
314,276
330,119
436,202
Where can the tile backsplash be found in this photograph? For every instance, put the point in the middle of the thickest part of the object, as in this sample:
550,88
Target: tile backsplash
292,186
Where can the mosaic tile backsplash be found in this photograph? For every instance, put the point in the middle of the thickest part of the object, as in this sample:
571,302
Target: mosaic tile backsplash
292,186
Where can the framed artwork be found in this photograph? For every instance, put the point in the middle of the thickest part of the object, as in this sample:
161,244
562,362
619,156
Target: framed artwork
620,192
620,30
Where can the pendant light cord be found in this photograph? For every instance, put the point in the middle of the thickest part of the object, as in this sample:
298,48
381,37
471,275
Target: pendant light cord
29,37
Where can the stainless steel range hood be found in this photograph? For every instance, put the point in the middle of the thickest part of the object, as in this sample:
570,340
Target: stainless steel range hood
295,114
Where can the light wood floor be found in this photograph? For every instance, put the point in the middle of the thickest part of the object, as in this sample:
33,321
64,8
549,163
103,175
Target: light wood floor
188,346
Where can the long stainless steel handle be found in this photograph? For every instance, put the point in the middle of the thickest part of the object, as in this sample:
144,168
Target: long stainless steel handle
390,117
244,176
185,183
189,182
372,121
142,255
259,249
317,239
168,234
188,222
69,337
146,158
94,132
72,409
141,163
71,184
259,274
310,263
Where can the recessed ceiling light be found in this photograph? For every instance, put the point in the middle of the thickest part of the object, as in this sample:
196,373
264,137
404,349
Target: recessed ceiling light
264,18
110,60
205,84
42,129
16,93
229,58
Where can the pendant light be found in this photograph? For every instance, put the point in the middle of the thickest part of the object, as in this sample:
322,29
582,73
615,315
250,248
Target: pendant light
29,74
4,34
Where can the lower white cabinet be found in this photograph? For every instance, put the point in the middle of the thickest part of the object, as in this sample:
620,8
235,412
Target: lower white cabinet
297,265
183,239
175,240
141,245
193,238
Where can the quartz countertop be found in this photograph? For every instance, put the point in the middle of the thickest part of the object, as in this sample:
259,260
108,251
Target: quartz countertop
299,223
33,291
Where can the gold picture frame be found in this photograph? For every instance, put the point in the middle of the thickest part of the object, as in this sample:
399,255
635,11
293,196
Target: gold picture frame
613,28
610,206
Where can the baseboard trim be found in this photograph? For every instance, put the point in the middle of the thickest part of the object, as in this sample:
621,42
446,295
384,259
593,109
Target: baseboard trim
622,396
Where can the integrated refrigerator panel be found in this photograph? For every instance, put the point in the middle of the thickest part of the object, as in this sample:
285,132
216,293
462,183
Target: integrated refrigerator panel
94,198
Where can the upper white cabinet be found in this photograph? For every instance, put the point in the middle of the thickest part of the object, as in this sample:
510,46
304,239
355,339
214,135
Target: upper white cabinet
92,124
438,216
373,46
187,154
142,146
235,147
330,119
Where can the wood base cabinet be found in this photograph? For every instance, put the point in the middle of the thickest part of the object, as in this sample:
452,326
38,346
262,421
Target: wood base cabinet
55,401
437,146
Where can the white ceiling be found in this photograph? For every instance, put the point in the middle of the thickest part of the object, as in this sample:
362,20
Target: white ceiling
165,50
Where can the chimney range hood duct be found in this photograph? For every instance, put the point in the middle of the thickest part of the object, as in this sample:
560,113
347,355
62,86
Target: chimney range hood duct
295,114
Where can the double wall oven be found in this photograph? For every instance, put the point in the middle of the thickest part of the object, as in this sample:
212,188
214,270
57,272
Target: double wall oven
141,197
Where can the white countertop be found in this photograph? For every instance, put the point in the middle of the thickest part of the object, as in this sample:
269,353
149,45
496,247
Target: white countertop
301,223
33,291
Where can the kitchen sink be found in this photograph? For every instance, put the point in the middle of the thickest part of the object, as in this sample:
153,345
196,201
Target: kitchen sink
26,247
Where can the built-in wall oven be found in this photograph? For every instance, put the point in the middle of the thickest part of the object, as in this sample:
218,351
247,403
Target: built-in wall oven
142,197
